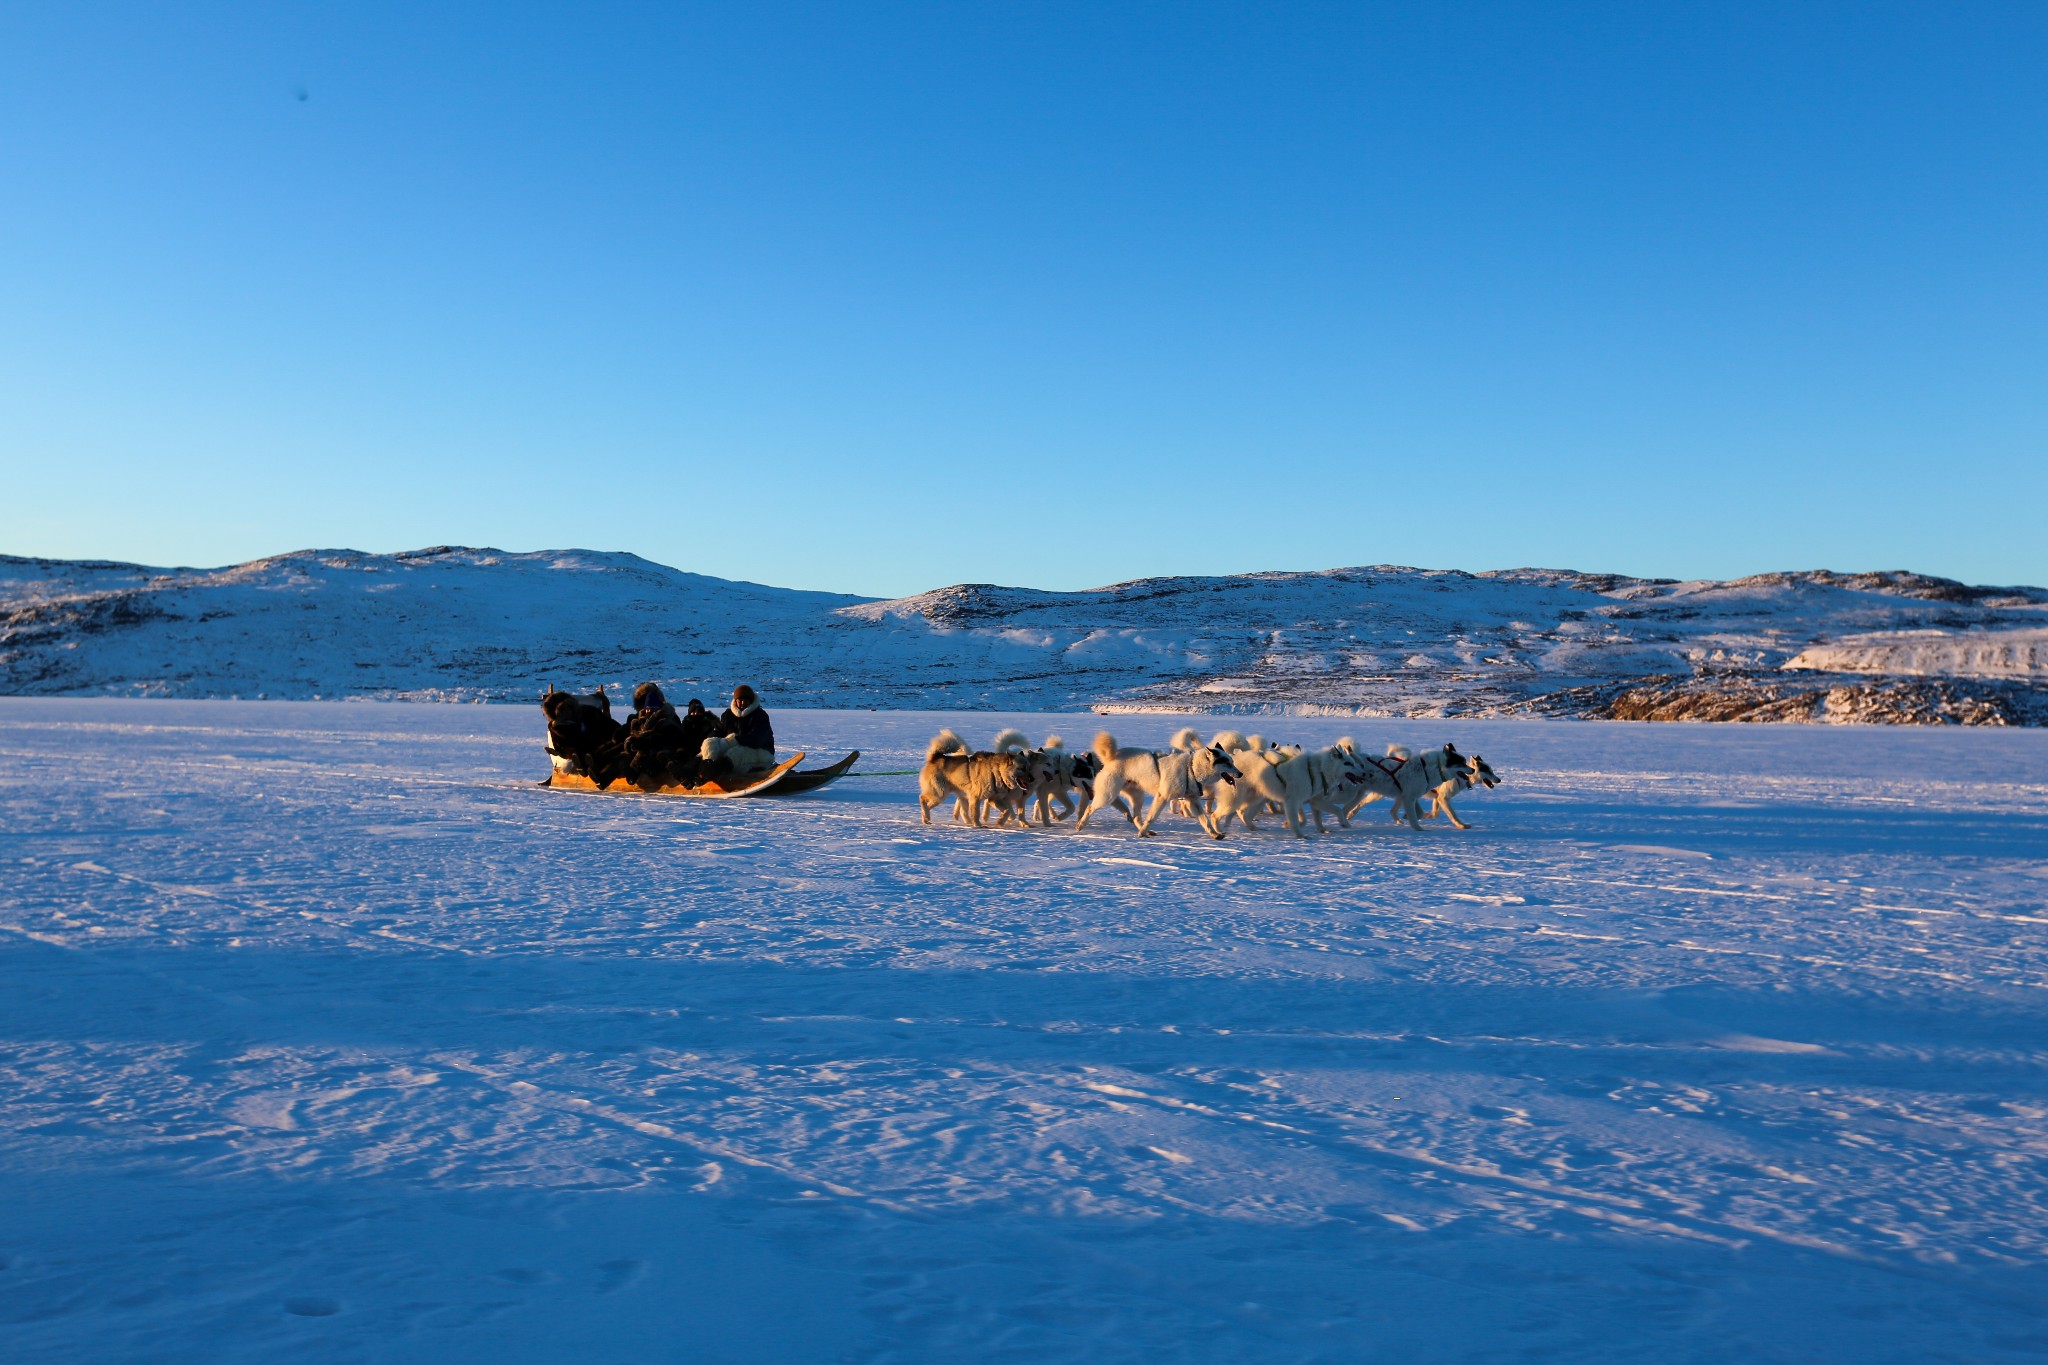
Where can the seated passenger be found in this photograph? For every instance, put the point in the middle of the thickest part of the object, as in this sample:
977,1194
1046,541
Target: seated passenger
698,726
658,748
583,737
744,738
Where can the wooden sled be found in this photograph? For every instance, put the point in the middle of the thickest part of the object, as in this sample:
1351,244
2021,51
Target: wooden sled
792,783
780,780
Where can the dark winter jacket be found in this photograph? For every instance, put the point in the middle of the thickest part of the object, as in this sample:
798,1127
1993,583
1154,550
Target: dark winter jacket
574,728
656,728
750,728
584,735
698,726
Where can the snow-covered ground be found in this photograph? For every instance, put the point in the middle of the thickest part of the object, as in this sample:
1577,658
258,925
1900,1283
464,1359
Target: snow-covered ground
328,1036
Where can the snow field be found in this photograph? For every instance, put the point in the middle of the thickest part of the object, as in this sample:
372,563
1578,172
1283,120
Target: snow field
326,1035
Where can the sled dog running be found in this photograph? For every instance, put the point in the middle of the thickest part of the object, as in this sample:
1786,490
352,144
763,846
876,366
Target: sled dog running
1051,773
1230,777
1293,781
1407,777
1441,795
1189,771
976,780
1055,775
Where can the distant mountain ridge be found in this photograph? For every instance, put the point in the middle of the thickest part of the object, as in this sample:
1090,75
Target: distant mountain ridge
461,623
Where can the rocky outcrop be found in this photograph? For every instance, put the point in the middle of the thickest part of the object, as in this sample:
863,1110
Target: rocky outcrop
1807,700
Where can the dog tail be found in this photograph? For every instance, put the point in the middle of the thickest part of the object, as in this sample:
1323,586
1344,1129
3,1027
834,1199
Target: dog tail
1054,742
1186,739
1105,747
945,742
1011,739
1346,744
1230,741
1400,751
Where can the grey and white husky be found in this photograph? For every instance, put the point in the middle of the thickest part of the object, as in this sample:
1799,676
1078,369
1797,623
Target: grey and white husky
1440,795
1063,777
1406,778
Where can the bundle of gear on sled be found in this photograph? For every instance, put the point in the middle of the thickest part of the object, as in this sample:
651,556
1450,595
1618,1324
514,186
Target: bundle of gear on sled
656,747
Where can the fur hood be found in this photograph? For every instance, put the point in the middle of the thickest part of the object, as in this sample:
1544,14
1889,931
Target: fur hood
748,726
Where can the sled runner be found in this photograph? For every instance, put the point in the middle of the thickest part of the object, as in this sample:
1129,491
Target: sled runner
792,783
780,780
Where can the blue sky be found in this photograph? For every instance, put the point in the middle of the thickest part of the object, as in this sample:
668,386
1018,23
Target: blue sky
880,297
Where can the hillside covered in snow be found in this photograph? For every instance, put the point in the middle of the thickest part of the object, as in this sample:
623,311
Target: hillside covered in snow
477,624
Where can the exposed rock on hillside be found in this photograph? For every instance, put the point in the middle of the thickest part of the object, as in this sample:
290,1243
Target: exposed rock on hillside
1802,700
478,624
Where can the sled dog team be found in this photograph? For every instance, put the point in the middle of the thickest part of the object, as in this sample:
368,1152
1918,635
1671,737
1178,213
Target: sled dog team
1231,777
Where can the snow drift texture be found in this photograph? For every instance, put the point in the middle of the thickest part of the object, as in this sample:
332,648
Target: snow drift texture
329,1038
479,624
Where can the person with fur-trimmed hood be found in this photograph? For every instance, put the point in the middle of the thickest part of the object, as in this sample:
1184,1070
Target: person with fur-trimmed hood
744,738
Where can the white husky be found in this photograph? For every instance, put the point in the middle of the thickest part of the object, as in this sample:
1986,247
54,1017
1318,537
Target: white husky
1287,780
1483,775
1180,774
1257,787
1407,777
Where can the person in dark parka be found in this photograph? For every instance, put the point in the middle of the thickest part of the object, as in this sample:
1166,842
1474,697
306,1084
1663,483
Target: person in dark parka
744,737
583,737
658,748
698,725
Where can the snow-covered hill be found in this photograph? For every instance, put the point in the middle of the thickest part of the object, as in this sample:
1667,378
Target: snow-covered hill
448,623
479,624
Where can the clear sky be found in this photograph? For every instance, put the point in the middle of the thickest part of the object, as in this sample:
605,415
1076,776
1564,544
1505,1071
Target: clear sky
877,297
